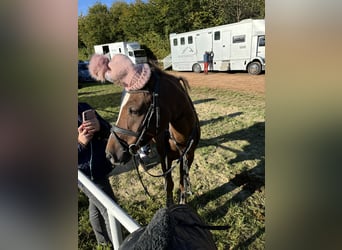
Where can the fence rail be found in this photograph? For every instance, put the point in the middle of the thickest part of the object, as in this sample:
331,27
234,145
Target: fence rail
116,214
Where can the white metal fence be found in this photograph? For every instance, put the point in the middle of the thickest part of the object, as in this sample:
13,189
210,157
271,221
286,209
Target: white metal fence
116,214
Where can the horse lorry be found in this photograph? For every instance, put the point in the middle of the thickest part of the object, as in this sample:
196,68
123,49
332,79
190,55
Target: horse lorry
235,46
131,49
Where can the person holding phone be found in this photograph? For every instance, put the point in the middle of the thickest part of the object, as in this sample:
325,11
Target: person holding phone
93,132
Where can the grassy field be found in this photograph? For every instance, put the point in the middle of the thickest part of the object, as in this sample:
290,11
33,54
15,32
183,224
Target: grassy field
227,176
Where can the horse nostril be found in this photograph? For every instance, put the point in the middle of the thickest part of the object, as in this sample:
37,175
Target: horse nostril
109,156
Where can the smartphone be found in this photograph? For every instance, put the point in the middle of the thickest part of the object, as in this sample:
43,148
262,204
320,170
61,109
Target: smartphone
88,114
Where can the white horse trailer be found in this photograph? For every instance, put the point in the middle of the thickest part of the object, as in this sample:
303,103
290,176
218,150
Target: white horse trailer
130,49
236,46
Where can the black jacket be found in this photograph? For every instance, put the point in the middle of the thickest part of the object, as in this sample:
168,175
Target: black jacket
177,227
92,158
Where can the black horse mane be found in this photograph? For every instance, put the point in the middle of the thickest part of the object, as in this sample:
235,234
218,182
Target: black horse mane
183,82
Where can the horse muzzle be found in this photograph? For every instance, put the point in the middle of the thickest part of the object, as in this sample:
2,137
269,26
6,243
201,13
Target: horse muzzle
116,152
118,158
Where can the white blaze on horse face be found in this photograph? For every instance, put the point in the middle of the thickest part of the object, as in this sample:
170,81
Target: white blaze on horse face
124,101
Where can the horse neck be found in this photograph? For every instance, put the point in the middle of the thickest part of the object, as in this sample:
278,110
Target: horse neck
176,106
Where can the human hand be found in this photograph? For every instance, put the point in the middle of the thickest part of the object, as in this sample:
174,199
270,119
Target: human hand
92,125
83,135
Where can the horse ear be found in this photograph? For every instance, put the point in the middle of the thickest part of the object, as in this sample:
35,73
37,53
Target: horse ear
151,82
149,85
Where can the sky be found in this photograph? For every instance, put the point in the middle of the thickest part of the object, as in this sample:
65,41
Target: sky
83,5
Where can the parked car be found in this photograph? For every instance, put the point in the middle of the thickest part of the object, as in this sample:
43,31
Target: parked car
83,72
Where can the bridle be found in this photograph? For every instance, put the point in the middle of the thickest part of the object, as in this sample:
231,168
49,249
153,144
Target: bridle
145,125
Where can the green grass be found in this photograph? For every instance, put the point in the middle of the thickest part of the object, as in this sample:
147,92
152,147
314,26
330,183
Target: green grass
227,175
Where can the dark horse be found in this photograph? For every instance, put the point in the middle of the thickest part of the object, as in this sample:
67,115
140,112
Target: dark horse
161,111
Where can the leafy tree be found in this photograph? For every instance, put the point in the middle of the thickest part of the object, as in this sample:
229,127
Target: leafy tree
94,28
210,13
135,21
117,11
237,10
156,45
151,22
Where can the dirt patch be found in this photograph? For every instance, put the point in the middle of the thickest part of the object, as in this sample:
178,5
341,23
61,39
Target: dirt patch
234,81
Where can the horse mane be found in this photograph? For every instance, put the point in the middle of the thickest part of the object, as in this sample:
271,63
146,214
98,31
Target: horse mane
183,82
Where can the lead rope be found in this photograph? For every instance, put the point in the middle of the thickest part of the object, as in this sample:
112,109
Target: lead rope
184,159
136,165
139,176
205,226
186,177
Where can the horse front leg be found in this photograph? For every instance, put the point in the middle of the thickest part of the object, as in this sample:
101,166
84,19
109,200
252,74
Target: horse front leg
182,188
184,182
166,164
184,179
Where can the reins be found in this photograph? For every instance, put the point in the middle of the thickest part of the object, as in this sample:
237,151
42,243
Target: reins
182,158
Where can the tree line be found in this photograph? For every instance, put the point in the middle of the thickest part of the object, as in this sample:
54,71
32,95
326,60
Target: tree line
151,22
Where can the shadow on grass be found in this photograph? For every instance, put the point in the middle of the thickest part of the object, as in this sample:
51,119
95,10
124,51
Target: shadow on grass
245,244
88,93
249,181
220,118
204,100
104,103
94,83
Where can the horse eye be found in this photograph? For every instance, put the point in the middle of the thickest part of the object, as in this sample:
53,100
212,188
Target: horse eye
133,111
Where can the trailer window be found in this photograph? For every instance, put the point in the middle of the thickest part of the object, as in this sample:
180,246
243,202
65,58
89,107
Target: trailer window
261,41
182,41
189,39
105,49
175,42
217,35
139,53
239,39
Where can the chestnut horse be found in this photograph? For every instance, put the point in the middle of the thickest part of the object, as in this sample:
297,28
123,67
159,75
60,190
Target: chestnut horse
162,111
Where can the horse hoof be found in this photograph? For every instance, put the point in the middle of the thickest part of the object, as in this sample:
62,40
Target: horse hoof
182,199
169,202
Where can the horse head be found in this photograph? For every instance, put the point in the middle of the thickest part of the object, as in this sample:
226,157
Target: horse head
134,128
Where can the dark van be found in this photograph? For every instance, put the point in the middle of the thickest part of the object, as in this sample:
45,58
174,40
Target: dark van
83,72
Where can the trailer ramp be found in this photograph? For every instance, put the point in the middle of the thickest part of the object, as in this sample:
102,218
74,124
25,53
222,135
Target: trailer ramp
167,62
